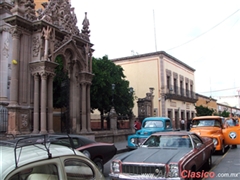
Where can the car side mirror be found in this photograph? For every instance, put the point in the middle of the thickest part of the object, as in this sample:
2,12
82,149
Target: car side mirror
199,145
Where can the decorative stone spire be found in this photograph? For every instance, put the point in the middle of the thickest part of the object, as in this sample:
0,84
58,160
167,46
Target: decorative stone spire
86,24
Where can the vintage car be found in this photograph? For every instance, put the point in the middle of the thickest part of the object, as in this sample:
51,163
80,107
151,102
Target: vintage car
34,159
150,125
165,155
98,152
212,126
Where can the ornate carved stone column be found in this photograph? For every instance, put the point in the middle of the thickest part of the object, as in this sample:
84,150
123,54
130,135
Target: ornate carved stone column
43,102
36,104
84,109
50,103
88,109
15,66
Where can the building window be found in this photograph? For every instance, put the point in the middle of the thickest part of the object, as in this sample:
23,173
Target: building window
168,82
181,88
175,86
187,91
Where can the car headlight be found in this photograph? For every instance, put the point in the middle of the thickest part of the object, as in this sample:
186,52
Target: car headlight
173,170
115,167
215,142
133,140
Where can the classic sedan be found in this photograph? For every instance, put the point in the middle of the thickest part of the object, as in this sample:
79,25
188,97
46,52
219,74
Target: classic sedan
165,155
98,152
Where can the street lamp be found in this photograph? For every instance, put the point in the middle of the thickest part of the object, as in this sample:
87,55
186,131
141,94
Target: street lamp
113,87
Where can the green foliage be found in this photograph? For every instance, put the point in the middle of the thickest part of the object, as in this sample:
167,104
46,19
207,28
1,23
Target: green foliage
60,85
107,73
203,111
224,114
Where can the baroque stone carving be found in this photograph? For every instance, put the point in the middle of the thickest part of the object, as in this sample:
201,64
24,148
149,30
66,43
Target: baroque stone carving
36,46
24,120
6,48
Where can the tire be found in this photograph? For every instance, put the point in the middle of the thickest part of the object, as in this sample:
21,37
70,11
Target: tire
99,164
208,163
222,151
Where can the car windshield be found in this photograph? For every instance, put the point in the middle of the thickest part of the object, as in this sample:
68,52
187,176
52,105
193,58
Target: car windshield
153,124
206,123
168,141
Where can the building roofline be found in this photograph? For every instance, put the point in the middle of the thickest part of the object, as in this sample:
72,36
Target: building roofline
206,97
153,54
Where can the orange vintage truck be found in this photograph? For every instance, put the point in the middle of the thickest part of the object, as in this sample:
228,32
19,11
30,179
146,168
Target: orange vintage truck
212,126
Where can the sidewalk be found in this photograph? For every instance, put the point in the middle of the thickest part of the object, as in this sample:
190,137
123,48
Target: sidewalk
228,167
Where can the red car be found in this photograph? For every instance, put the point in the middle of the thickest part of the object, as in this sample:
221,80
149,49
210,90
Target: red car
98,152
165,155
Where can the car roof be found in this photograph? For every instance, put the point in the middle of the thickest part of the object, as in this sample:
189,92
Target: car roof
29,154
157,118
207,117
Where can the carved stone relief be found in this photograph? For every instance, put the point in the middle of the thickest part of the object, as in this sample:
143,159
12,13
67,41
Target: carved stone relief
36,45
24,120
6,48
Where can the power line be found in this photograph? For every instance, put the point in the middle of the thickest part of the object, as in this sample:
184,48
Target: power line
203,33
221,90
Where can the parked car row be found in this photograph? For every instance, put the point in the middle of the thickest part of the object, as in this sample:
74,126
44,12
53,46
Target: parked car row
160,152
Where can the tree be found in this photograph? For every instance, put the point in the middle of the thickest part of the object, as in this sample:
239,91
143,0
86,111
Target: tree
103,97
203,111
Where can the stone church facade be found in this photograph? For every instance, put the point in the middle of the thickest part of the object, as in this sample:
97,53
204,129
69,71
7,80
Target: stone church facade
30,41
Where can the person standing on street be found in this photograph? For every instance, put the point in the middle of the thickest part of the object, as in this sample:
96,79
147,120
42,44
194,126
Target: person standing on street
231,122
183,124
137,124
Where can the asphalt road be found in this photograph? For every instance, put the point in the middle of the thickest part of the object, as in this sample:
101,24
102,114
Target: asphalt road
215,160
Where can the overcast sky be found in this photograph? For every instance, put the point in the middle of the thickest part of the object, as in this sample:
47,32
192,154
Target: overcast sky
205,34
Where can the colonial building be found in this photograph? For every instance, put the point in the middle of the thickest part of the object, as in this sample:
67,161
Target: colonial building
30,42
164,80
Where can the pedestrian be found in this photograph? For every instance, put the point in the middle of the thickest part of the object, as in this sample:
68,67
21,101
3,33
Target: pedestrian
231,121
137,124
183,124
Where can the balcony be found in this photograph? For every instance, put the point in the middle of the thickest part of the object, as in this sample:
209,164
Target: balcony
181,94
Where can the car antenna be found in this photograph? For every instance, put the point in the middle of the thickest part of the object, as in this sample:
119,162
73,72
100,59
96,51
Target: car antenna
71,142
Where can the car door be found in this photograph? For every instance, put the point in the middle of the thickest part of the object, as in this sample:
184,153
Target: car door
231,135
199,147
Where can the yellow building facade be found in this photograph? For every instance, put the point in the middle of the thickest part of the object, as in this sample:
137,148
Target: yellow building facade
171,80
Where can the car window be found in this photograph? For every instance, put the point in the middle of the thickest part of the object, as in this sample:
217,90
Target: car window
205,122
196,139
168,141
153,124
76,169
47,171
168,124
66,142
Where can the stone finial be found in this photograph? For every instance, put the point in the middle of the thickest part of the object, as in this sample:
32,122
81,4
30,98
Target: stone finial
85,24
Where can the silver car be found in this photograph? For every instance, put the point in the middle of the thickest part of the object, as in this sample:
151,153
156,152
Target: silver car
29,160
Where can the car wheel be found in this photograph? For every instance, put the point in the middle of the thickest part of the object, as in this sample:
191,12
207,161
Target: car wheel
99,164
223,148
208,163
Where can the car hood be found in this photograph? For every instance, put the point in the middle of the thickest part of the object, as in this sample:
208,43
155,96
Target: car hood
154,155
206,131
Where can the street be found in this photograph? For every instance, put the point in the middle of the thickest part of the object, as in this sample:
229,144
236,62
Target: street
215,160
